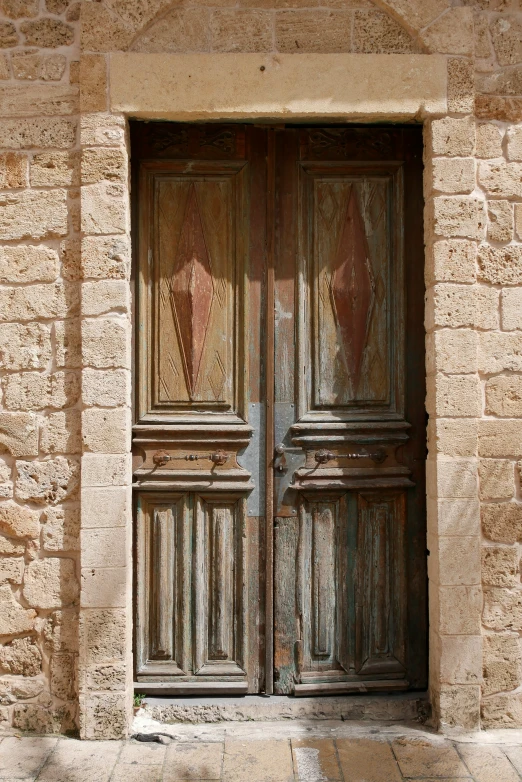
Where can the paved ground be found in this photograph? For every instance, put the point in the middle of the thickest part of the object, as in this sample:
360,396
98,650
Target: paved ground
331,751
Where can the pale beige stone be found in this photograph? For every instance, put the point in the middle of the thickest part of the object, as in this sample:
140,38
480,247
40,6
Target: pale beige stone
59,300
456,517
13,170
84,760
506,35
506,82
453,137
5,72
497,479
68,343
454,351
106,716
104,587
60,631
458,217
500,351
514,753
500,226
452,260
420,757
99,298
28,263
460,610
93,83
47,33
35,390
518,220
13,618
17,9
503,710
106,431
54,67
458,396
461,85
376,32
453,436
24,346
105,257
451,33
500,565
23,688
104,547
415,15
105,343
259,761
57,169
452,478
373,760
37,132
175,86
461,659
104,209
11,570
102,129
9,547
8,35
297,31
61,432
474,306
241,30
503,609
502,522
61,529
106,470
153,755
180,30
511,309
27,65
47,482
40,100
454,175
104,164
106,388
62,676
514,143
19,434
50,583
105,507
500,438
504,396
29,762
33,214
102,30
489,140
33,718
500,265
502,179
20,657
458,562
103,635
460,706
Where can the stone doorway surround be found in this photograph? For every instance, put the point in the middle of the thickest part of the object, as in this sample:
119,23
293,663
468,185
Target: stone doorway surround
275,87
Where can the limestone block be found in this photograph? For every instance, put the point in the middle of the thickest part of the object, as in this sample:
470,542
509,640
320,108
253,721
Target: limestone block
415,15
500,438
58,300
500,351
93,81
105,507
244,30
33,718
502,522
54,169
458,216
60,631
61,432
106,343
459,561
454,351
102,130
8,546
375,32
37,132
27,65
460,706
47,33
456,396
451,33
459,518
489,140
99,298
497,479
514,143
13,170
24,346
505,82
19,9
106,470
68,343
518,220
19,434
104,31
19,689
34,390
104,209
506,35
28,263
454,175
8,35
179,30
56,6
107,677
20,657
13,618
104,164
500,265
500,108
105,257
44,100
19,521
61,529
500,565
460,610
500,226
502,179
504,396
503,710
50,583
104,587
105,716
461,86
511,308
47,482
4,67
103,635
502,663
461,659
109,388
63,676
104,547
452,260
453,137
502,609
453,436
33,214
474,306
11,570
54,67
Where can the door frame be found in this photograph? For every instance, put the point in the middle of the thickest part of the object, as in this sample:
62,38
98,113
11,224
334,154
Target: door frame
415,88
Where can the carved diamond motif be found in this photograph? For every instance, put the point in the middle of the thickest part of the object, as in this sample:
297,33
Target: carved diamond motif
353,288
216,377
191,290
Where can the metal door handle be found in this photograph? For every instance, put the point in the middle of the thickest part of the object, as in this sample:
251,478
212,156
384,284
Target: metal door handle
218,457
323,456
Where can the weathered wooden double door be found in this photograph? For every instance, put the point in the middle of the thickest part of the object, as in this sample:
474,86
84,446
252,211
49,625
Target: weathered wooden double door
279,440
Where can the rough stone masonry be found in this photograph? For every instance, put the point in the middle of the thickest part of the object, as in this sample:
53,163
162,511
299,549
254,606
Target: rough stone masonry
65,338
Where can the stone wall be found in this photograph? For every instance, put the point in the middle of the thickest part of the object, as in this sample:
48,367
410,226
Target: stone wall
65,337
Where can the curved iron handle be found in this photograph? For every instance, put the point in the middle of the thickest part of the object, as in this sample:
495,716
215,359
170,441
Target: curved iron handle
323,456
218,457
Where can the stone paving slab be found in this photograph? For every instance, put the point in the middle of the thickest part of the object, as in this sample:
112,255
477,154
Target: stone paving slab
324,754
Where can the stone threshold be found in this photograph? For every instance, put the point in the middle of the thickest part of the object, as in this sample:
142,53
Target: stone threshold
400,707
